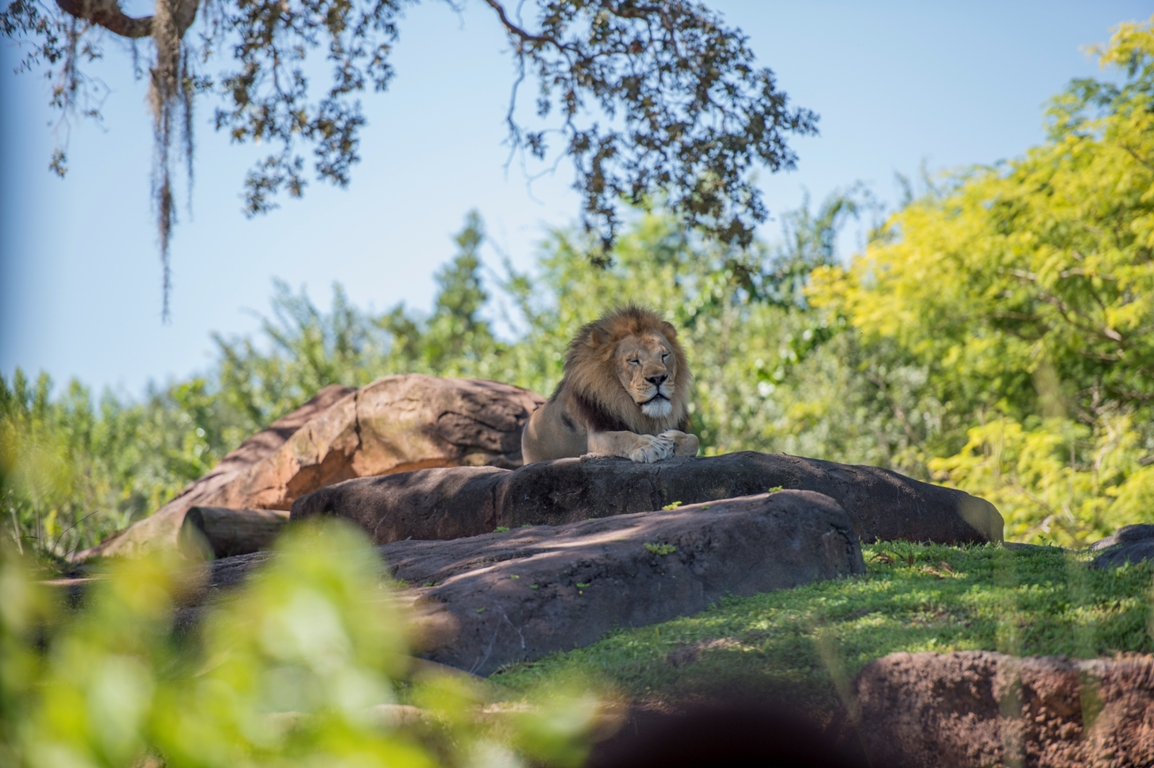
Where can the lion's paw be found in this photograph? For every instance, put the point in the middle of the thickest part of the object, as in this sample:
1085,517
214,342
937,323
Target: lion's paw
649,449
684,444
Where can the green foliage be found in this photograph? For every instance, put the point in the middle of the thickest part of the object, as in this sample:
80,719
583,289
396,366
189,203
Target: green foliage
456,340
74,472
996,334
302,351
1025,293
659,549
299,667
136,456
807,642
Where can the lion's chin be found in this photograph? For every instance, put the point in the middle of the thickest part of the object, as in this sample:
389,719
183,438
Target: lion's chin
657,409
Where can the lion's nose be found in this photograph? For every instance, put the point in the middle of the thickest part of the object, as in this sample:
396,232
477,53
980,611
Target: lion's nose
658,380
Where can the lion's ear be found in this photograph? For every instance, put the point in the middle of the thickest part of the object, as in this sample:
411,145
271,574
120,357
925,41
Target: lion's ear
598,337
669,331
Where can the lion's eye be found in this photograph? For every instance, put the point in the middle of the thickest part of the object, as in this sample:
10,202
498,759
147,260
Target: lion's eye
664,356
635,361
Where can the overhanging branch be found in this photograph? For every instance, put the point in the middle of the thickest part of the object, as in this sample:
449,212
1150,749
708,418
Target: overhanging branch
524,35
107,14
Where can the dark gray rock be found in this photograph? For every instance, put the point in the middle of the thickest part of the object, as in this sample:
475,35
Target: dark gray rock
482,602
213,532
466,501
501,598
1129,544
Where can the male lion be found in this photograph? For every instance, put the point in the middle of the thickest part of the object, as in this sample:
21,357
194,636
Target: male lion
624,393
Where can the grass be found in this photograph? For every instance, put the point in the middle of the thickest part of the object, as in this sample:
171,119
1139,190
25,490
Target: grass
808,643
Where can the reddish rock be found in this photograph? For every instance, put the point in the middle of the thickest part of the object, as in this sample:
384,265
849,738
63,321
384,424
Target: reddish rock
395,424
450,503
977,708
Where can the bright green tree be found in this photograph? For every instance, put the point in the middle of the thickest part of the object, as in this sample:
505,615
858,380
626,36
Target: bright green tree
1026,291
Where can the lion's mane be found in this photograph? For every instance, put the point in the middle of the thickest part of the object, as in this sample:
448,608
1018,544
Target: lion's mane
592,390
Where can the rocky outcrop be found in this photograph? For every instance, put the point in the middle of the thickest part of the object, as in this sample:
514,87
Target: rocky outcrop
496,599
451,503
482,602
396,424
977,708
162,528
1129,544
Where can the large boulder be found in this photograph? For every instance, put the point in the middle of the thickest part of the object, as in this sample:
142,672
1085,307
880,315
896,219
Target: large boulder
451,503
482,602
977,708
492,600
395,424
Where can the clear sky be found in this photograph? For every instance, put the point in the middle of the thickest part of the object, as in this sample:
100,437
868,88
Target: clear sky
895,83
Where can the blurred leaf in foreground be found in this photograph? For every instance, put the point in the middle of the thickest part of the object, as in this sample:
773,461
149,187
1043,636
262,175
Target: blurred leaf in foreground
299,667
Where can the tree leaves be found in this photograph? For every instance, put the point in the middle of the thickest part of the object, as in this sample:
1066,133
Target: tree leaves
1027,291
646,99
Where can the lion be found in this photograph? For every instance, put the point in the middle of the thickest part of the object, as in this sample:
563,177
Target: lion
624,393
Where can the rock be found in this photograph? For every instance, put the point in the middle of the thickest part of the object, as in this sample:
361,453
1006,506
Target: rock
451,503
1129,544
162,527
977,708
737,546
395,424
500,598
210,532
429,504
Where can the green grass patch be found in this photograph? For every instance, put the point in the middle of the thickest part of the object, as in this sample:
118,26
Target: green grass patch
807,642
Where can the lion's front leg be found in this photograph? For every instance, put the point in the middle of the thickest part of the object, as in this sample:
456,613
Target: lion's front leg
629,445
684,444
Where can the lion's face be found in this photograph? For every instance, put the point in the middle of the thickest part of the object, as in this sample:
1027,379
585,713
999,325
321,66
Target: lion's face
647,369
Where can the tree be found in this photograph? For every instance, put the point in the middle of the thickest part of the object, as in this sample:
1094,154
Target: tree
1027,292
644,97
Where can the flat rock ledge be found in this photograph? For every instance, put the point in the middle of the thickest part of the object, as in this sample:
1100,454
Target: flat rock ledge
467,501
484,602
503,598
977,708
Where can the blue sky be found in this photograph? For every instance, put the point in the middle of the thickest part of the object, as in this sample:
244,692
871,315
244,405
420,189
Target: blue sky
895,84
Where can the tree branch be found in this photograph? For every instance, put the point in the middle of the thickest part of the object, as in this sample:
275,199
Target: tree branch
523,34
1137,157
107,14
1070,314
